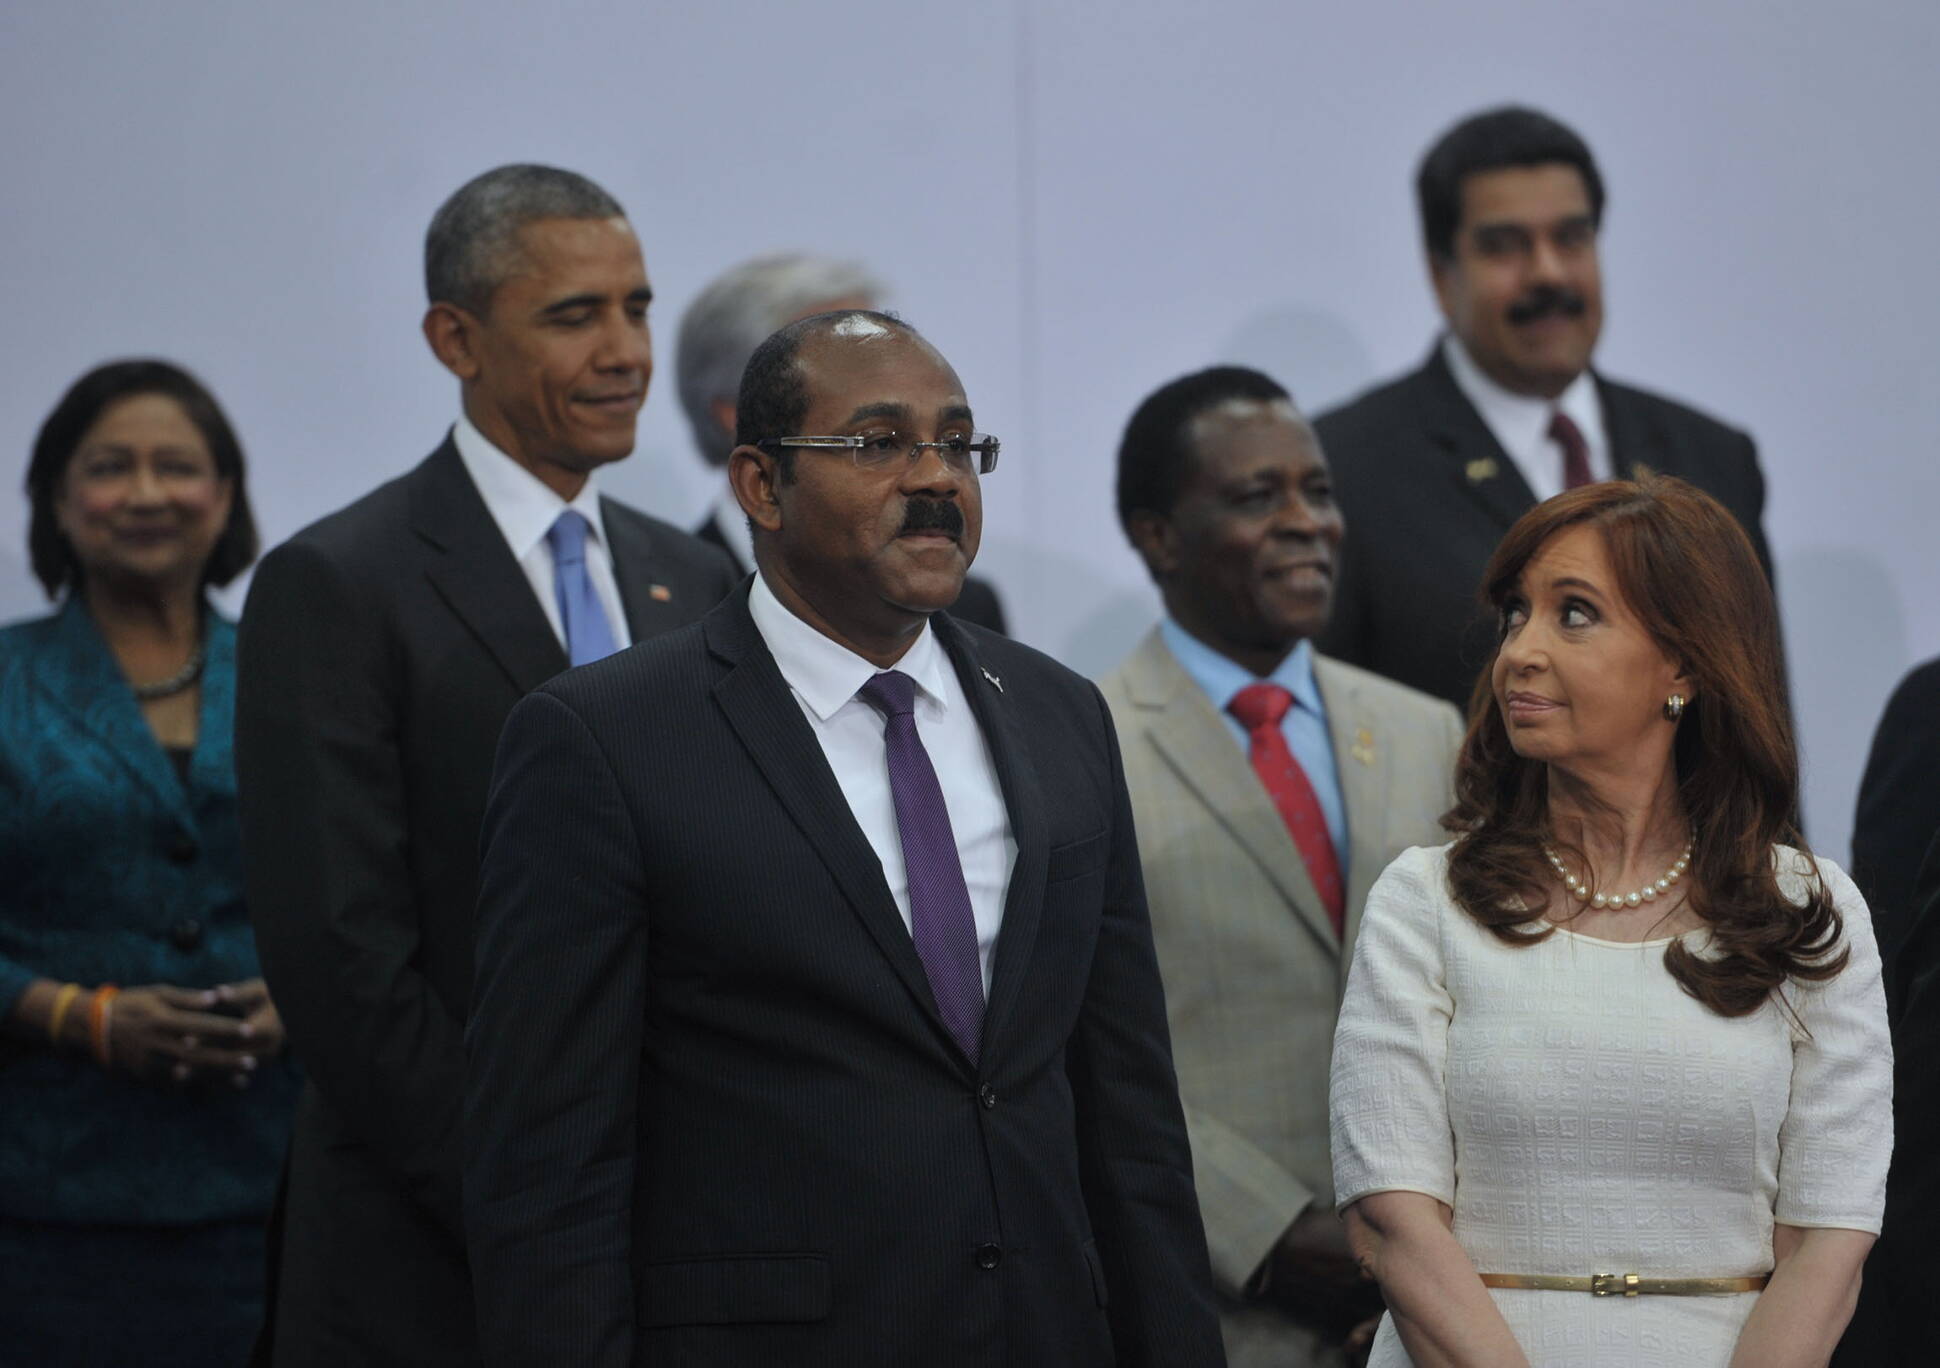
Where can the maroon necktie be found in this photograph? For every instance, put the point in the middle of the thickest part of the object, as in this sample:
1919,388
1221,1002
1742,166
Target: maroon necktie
940,919
1576,452
1259,708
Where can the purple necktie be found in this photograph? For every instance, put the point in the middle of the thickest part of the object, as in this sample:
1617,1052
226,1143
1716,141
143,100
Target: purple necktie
939,902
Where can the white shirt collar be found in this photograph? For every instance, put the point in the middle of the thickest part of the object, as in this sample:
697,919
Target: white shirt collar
1521,423
520,502
825,673
1221,677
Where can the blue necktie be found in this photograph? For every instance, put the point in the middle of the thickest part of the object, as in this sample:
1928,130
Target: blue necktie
941,919
589,636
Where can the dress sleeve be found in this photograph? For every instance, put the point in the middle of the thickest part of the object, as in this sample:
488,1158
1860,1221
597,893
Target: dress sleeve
1837,1136
1388,1098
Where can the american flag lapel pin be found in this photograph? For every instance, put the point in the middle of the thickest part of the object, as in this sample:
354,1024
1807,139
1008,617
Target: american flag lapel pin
660,593
993,679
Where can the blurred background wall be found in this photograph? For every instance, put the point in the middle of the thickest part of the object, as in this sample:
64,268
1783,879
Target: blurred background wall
1077,201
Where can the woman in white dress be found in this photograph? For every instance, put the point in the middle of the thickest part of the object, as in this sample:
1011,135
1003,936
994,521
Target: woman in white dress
1612,1082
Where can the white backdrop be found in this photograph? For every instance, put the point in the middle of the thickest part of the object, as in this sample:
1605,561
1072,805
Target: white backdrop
1077,201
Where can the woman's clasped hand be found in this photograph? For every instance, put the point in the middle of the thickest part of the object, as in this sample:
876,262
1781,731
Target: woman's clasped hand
162,1033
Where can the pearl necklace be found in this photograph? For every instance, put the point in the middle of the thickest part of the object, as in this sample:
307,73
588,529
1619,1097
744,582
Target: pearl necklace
1648,893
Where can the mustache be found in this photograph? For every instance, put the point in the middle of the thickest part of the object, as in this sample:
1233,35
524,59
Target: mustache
932,515
1545,300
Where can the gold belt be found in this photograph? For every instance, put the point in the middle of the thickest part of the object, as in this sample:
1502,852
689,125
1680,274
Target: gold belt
1627,1284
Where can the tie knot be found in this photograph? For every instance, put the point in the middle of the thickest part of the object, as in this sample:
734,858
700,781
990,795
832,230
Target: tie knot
567,537
1260,705
891,693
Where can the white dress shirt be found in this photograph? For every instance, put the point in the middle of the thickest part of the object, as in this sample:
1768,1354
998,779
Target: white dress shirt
732,524
824,676
525,510
1521,424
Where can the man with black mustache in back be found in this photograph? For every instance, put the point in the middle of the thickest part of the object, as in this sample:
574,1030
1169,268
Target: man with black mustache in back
817,1019
1432,468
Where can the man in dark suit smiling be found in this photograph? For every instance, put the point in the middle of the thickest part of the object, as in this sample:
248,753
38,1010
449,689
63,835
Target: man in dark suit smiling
1431,469
381,651
816,1018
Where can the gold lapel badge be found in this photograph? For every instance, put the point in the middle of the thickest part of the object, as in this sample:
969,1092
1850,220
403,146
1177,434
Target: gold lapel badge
1480,469
1363,747
660,593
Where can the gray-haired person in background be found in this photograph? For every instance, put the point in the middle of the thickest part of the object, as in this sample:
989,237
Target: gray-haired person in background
738,311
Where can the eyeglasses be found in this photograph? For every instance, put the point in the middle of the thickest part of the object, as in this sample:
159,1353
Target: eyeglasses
884,450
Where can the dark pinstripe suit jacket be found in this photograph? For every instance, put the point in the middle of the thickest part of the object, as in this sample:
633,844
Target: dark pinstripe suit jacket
712,1115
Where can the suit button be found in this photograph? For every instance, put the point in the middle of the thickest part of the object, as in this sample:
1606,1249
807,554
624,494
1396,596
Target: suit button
186,934
989,1255
988,1096
182,848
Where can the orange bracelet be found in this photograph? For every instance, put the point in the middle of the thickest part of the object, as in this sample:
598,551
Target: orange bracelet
63,1000
100,1013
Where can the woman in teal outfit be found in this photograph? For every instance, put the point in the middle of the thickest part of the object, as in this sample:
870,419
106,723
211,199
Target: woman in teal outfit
144,1096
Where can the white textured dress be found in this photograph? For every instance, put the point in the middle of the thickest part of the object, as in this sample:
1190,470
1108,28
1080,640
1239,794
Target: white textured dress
1583,1115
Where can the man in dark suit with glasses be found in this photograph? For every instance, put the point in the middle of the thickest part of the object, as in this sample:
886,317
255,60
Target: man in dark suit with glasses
720,330
816,1018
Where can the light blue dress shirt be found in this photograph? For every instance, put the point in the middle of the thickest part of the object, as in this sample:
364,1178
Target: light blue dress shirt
1304,726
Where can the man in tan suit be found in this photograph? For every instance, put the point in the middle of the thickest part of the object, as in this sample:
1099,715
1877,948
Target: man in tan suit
1271,787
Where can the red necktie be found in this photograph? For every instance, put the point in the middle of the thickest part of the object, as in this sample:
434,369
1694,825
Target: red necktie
1576,452
1259,708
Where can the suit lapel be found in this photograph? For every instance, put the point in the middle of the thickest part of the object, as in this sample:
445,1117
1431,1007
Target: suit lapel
1010,755
1363,758
1478,467
1200,748
763,713
648,602
80,675
1636,446
473,571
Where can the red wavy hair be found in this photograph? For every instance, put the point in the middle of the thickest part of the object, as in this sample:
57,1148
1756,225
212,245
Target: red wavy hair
1688,572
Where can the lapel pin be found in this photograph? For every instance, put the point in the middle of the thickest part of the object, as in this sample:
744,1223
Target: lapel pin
660,593
993,679
1480,469
1363,747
